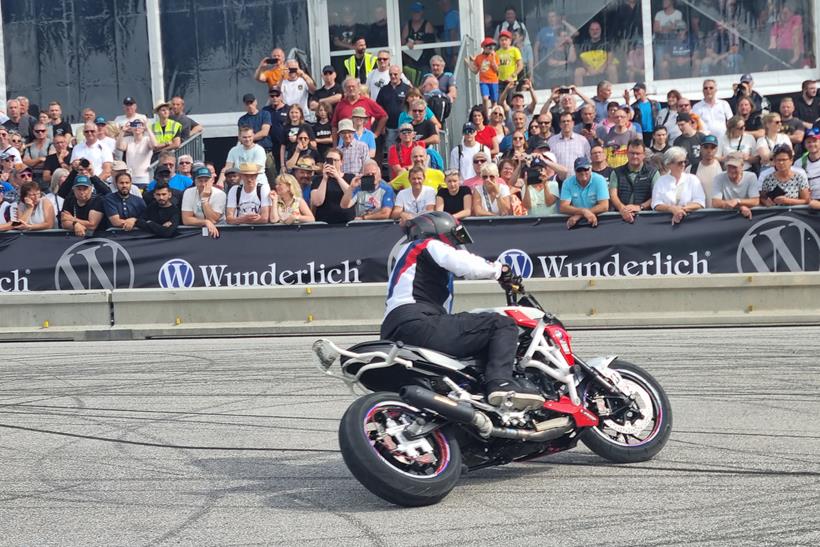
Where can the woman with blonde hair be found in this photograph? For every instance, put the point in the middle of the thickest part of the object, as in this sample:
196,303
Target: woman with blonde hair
492,196
497,123
288,207
772,138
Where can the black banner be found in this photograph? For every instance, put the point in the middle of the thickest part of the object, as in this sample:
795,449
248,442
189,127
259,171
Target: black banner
775,240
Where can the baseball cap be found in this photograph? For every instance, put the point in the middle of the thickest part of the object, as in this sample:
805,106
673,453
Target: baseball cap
162,170
537,163
99,120
231,171
537,142
517,94
735,158
346,125
550,156
248,98
202,172
273,90
684,117
813,133
129,100
582,163
468,128
327,69
359,112
416,7
487,42
81,180
119,165
746,78
709,139
639,85
406,127
506,33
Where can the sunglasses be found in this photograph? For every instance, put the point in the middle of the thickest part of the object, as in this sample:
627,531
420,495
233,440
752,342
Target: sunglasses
39,130
27,176
417,110
329,161
406,131
385,59
89,132
304,138
479,161
186,163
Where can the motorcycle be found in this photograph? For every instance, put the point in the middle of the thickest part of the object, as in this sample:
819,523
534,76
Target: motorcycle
423,420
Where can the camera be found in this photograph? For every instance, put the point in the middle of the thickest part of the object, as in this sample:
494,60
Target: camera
272,61
588,126
293,70
84,163
533,175
368,183
564,90
135,123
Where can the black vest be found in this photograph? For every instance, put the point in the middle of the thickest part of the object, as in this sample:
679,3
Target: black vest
638,191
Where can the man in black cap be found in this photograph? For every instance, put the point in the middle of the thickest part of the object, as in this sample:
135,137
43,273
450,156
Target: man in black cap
461,157
278,111
261,123
130,114
690,138
646,111
331,91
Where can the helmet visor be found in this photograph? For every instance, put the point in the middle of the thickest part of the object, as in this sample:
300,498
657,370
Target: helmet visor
461,235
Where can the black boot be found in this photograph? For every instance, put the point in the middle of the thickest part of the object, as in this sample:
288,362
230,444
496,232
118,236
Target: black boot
522,397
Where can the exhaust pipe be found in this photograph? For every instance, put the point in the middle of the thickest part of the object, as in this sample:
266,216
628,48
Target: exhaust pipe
457,411
464,413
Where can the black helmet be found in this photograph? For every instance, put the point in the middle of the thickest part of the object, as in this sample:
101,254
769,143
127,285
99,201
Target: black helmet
437,224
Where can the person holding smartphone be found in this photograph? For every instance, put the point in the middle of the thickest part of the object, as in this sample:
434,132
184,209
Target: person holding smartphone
369,194
271,70
784,186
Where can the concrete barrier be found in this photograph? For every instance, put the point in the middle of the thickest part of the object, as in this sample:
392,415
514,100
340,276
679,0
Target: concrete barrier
54,315
715,300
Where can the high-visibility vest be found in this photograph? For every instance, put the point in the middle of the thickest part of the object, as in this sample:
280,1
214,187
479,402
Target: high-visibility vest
166,135
369,64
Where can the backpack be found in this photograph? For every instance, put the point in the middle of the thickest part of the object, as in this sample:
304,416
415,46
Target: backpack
440,104
239,191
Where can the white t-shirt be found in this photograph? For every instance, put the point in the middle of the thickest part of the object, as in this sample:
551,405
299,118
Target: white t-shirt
706,175
688,190
138,158
465,165
416,205
714,116
110,143
249,203
768,145
813,174
484,196
96,154
191,202
256,154
668,19
745,144
295,92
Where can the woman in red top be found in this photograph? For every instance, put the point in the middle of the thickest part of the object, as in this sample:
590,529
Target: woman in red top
484,134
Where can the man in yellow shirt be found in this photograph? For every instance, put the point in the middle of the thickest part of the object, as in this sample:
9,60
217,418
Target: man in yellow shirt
509,56
432,177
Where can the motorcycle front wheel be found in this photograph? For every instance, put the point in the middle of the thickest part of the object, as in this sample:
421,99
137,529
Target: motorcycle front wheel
629,436
407,472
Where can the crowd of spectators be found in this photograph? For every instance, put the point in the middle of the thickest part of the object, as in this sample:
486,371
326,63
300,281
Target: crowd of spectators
365,145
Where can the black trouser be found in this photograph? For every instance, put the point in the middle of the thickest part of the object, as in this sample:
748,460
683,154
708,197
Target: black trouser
460,335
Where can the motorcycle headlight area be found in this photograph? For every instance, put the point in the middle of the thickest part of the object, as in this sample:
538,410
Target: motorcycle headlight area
324,354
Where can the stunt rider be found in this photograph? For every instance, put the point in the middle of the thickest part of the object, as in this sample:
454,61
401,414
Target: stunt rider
419,305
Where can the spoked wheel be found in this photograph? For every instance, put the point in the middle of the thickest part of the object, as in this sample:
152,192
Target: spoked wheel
404,471
630,433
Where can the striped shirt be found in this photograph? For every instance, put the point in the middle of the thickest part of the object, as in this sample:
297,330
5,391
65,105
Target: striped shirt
568,149
353,157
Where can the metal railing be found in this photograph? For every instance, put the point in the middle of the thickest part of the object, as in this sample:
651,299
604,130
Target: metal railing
194,147
468,95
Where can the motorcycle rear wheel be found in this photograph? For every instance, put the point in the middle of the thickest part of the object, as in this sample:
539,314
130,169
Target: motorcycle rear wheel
410,473
617,439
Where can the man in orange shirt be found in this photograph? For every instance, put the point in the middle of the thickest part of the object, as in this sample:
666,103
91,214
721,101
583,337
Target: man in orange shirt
485,64
275,72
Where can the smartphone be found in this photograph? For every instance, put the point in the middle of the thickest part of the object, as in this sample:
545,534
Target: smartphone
16,223
588,126
776,192
271,61
368,183
293,70
563,90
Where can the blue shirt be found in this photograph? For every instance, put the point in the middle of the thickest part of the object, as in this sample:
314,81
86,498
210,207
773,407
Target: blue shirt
371,202
506,142
130,207
647,122
367,137
585,197
256,121
546,40
177,182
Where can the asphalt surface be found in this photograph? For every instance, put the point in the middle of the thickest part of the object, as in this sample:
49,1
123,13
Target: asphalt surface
233,442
